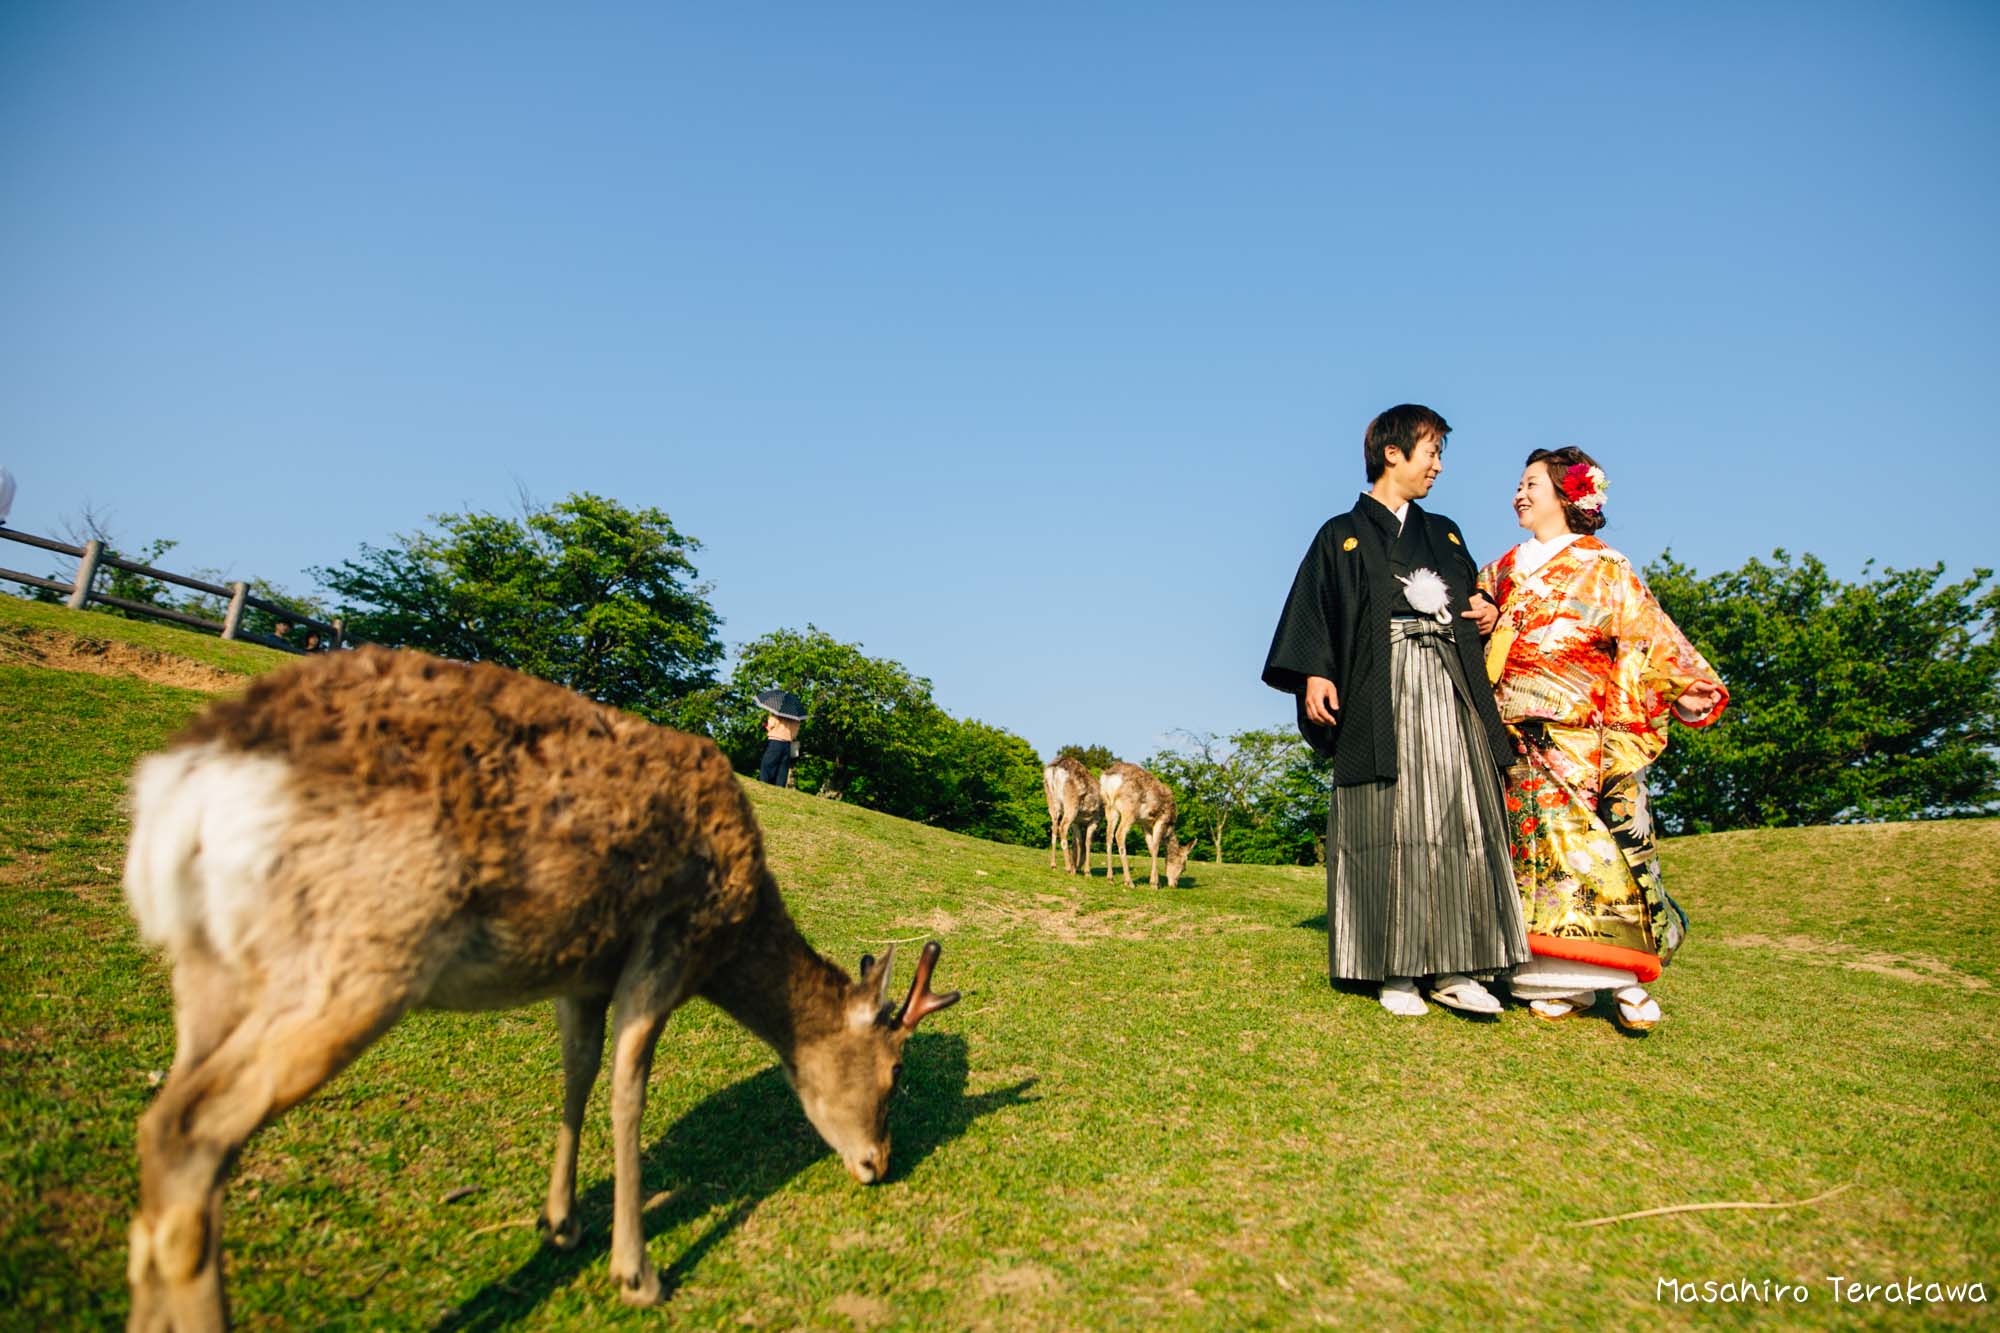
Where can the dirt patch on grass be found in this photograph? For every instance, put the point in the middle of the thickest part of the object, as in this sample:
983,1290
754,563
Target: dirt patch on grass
1017,1281
1903,967
1072,922
59,651
861,1311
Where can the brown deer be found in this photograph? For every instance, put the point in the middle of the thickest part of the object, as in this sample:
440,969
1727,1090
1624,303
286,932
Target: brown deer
1134,796
373,832
1074,804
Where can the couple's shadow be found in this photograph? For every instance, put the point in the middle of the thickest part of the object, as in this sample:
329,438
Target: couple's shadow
736,1149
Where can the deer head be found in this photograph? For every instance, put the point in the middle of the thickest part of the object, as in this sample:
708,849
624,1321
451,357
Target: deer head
844,1078
1178,853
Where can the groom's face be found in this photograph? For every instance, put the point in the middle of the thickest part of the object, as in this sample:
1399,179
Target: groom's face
1415,472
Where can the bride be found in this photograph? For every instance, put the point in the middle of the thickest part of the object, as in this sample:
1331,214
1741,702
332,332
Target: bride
1587,667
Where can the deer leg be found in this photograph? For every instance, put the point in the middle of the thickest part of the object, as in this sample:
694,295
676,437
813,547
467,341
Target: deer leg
1089,832
267,1063
646,996
581,1020
1153,851
1055,835
1124,831
208,1005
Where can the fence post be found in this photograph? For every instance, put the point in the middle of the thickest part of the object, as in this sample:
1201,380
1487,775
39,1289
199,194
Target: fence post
86,574
234,620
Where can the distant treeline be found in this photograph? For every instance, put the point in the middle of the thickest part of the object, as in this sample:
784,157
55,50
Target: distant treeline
1872,700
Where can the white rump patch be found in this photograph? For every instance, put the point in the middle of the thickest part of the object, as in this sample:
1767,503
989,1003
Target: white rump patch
206,825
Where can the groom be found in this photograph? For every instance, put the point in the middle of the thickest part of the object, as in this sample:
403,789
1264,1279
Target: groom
1379,643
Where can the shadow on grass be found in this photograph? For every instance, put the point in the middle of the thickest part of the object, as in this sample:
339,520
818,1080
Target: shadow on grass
734,1150
1317,923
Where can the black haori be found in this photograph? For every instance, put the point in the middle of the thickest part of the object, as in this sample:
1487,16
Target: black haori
1418,875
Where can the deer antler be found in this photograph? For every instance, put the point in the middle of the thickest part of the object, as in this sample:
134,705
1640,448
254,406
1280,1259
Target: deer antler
921,1002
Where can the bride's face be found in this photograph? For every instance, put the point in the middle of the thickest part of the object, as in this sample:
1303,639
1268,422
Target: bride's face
1536,503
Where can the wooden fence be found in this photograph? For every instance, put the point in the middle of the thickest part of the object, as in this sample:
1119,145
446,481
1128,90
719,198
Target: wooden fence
91,556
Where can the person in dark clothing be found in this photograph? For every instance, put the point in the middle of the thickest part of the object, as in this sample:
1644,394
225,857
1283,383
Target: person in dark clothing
1378,642
780,748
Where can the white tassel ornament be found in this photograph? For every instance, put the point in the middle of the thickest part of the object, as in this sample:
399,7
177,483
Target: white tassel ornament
1427,594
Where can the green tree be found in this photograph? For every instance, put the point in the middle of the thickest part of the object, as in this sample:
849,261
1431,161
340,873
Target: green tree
869,721
988,783
1849,702
1217,781
1096,758
874,736
587,593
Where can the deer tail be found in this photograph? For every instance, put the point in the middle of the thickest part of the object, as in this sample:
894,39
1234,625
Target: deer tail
206,825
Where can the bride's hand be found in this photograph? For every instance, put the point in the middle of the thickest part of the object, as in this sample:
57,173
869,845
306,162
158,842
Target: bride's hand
1698,701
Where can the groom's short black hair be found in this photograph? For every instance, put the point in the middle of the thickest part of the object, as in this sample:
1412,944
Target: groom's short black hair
1401,427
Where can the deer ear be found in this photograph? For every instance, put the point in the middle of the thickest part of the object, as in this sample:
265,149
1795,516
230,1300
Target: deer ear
876,973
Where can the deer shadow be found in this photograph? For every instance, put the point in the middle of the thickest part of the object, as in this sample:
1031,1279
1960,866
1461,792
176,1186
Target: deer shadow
737,1148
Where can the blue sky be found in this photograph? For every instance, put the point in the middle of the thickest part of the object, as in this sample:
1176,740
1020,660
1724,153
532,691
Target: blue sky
1025,344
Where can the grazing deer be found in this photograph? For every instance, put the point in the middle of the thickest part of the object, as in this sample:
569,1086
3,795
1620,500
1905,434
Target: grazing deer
373,832
1074,803
1134,796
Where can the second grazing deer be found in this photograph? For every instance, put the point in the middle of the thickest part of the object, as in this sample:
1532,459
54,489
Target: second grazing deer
1134,796
373,832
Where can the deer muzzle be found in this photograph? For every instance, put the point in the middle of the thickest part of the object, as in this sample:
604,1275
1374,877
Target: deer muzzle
871,1166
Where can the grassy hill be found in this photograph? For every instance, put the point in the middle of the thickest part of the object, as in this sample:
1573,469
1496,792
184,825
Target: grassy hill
1149,1109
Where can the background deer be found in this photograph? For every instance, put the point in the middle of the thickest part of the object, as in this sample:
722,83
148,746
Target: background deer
373,832
1074,803
1134,796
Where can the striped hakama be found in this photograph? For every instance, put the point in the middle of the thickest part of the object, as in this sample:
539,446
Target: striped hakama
1419,879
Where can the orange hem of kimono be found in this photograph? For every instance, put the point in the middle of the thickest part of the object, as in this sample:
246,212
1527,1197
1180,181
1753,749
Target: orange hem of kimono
1641,964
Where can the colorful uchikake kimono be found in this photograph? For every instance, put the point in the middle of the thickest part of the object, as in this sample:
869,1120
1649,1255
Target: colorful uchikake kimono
1586,666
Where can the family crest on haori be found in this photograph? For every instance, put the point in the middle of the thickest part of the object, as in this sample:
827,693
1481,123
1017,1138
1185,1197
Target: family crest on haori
373,832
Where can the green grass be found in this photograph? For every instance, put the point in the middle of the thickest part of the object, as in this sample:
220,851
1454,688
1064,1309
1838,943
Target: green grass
1149,1109
20,617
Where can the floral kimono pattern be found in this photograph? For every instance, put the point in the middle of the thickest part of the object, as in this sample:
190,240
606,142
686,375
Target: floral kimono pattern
1586,667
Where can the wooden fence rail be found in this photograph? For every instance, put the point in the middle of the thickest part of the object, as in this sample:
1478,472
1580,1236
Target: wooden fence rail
91,556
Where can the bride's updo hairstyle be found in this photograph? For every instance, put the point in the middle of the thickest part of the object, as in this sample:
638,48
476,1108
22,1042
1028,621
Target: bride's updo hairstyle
1558,462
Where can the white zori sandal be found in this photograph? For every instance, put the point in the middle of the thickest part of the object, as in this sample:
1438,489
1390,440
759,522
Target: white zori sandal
1455,990
1637,1011
1558,988
1399,996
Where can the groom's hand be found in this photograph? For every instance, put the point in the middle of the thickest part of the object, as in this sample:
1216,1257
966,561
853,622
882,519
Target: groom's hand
1322,700
1483,612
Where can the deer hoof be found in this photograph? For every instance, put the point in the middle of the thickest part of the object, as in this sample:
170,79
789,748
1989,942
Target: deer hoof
565,1234
641,1288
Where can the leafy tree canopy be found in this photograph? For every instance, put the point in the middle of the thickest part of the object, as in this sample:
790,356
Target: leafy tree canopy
1096,758
586,592
873,735
1878,699
1258,796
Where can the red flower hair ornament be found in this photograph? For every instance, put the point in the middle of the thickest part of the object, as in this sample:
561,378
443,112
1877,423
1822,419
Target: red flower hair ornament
1583,485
